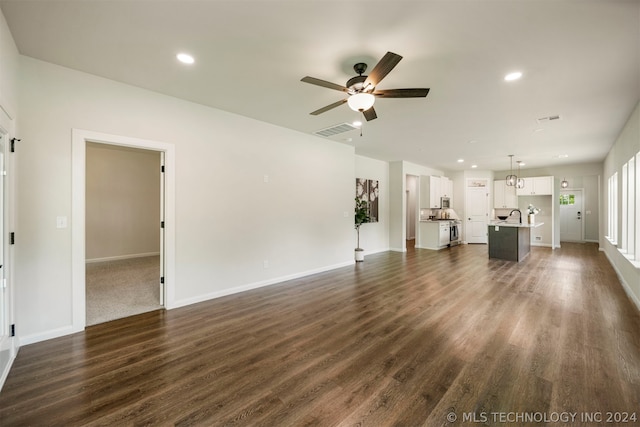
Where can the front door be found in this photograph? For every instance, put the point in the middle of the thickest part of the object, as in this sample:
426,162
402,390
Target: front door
477,207
571,213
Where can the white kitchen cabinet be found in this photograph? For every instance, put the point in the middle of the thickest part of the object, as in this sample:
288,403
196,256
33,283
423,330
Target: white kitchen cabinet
432,188
434,235
536,186
435,191
504,196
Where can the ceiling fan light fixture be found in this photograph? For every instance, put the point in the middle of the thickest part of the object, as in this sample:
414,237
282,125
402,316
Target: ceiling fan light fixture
564,183
361,101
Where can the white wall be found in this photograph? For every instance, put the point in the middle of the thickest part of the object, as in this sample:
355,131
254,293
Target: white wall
122,202
8,69
627,144
374,237
228,219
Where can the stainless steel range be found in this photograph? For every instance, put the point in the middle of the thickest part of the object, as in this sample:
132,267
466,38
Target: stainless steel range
454,232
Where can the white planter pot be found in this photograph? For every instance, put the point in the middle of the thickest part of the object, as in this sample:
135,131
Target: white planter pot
359,254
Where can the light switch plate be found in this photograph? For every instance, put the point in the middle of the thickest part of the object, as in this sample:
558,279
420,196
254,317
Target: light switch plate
61,222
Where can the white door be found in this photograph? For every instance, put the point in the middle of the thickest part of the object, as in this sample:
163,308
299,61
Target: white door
571,213
7,341
477,210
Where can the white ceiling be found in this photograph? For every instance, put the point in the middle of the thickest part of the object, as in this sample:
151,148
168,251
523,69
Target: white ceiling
580,59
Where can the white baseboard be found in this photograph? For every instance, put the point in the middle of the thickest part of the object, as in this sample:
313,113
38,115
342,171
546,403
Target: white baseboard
47,335
255,285
543,245
12,357
120,257
398,249
376,251
627,289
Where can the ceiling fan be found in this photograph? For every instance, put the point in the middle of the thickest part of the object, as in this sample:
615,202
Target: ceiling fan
362,89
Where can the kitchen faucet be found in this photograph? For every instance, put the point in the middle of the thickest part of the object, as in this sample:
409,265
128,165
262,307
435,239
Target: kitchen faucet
516,210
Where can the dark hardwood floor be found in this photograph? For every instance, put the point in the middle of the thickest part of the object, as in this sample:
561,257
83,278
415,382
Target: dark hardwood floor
407,339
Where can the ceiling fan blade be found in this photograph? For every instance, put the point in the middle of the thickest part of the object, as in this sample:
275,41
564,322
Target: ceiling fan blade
382,68
370,114
328,107
402,93
324,83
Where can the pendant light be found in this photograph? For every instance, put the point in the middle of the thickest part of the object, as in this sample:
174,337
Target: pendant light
511,179
564,183
519,181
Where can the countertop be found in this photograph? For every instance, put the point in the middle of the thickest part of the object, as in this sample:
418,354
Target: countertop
514,224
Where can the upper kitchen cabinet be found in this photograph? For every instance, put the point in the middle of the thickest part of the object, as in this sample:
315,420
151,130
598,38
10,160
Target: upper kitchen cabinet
446,187
432,188
536,186
504,196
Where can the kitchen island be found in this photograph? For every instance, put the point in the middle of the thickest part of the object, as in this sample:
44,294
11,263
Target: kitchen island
510,240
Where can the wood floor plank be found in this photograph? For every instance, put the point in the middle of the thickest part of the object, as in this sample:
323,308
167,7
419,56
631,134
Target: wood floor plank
401,339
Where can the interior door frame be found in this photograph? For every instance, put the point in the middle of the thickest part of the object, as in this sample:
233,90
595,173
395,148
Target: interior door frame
79,138
8,342
582,220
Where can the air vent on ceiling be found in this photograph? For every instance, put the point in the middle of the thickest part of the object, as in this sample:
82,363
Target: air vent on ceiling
548,119
335,130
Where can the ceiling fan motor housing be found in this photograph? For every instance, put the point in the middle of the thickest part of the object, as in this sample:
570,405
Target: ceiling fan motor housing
356,83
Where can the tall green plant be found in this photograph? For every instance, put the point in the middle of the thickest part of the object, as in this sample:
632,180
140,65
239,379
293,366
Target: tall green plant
361,216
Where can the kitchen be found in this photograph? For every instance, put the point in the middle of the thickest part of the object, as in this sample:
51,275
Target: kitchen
439,224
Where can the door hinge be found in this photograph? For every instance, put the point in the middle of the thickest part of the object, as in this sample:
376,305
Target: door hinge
161,224
12,331
13,144
162,280
12,238
162,168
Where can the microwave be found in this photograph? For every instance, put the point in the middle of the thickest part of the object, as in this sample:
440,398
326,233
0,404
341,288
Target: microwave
445,203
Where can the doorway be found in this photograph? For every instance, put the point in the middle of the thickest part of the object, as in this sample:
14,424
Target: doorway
411,210
123,232
571,213
79,139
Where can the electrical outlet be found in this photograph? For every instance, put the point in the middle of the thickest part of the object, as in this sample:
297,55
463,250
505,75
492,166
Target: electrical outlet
538,238
266,178
61,222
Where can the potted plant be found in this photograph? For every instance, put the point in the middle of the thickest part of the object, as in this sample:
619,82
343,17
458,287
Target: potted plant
361,216
532,210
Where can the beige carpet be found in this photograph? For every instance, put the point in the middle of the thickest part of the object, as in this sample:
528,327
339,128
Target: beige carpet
117,289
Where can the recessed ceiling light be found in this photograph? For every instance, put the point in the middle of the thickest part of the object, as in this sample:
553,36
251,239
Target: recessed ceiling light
538,129
357,123
185,58
563,156
474,166
513,76
473,141
460,160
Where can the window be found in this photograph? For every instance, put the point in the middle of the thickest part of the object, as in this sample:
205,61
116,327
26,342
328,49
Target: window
629,238
623,246
612,208
632,244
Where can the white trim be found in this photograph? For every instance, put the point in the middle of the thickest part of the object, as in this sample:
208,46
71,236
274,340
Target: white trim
47,335
543,245
625,285
121,257
398,249
79,138
256,285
